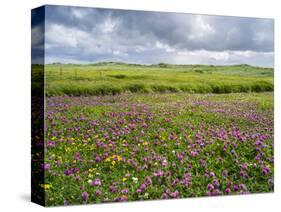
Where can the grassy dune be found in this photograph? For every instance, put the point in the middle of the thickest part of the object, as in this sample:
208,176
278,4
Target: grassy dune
116,78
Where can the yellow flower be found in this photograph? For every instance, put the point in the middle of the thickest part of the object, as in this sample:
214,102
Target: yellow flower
113,163
45,186
145,143
90,175
124,179
119,158
108,159
110,145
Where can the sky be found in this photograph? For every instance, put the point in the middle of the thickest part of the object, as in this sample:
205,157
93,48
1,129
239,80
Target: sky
90,35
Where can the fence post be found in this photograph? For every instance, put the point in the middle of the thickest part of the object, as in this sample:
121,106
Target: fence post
60,72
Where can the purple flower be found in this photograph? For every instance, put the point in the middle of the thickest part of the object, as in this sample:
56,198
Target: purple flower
270,181
224,173
138,190
229,183
67,172
143,186
216,182
210,187
212,174
96,182
242,186
175,182
148,180
216,192
98,192
227,191
124,191
47,166
123,198
51,144
265,170
164,196
175,194
172,136
235,187
112,189
164,162
193,154
71,171
85,196
98,159
159,173
168,173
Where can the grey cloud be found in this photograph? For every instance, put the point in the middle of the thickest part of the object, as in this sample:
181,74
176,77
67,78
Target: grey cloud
134,35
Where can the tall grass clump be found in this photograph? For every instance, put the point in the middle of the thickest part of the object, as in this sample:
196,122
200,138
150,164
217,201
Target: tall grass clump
136,88
164,88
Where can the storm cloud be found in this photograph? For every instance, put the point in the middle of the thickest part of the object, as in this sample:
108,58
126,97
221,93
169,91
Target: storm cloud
85,35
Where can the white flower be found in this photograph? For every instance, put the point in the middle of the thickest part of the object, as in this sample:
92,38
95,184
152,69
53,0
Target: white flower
90,181
135,179
146,195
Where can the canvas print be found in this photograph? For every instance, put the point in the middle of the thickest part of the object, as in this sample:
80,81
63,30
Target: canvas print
142,105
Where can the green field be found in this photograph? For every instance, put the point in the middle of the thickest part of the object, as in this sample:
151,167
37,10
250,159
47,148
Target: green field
115,78
120,132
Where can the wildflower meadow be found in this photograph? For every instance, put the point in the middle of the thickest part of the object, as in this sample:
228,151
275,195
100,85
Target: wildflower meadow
157,145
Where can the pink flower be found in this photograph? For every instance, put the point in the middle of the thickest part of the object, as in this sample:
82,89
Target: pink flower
51,144
175,194
193,154
164,162
96,182
159,173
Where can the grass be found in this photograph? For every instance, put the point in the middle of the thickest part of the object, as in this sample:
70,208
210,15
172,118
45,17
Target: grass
116,78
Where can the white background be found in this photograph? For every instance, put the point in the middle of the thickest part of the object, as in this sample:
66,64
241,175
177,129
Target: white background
15,103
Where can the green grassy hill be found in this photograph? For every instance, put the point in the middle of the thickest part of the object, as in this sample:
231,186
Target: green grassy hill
114,78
